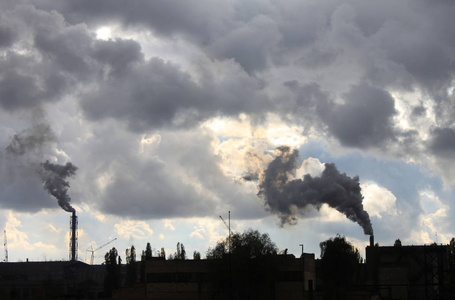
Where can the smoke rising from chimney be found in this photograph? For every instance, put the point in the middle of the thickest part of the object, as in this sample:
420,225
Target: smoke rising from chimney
30,143
54,177
284,196
30,139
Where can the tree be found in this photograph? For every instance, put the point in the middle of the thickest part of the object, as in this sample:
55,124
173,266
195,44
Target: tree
112,280
397,243
249,259
181,253
249,244
146,256
162,253
339,266
196,255
131,266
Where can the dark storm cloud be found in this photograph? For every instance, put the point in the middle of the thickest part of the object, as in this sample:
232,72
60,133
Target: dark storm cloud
199,20
149,96
443,142
7,36
118,54
62,59
250,45
163,196
257,35
288,198
365,119
304,50
307,103
45,61
158,93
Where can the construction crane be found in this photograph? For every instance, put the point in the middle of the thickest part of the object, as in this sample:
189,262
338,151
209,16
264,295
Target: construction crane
5,244
90,249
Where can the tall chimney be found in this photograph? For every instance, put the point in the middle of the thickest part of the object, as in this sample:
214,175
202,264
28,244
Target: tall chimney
73,237
371,240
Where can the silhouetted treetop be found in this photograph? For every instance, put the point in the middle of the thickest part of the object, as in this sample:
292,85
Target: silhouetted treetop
147,254
339,265
249,244
180,254
112,279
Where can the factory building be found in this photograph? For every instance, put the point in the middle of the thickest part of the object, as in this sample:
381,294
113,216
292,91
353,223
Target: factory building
51,280
410,272
272,277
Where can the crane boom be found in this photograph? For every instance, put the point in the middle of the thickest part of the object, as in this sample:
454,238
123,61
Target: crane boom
224,222
90,249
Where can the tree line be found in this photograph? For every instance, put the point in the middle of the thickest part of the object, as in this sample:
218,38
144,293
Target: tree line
248,254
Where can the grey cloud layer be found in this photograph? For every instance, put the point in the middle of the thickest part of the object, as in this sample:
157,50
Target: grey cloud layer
333,67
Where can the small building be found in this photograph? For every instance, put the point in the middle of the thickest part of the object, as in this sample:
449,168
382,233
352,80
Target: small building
53,279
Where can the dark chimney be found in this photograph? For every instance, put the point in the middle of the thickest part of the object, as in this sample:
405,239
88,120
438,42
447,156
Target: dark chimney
371,240
73,238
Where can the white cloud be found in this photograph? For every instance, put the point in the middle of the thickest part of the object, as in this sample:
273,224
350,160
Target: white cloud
378,200
311,166
134,229
168,224
198,233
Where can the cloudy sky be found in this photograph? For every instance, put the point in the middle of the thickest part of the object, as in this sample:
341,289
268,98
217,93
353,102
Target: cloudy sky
177,112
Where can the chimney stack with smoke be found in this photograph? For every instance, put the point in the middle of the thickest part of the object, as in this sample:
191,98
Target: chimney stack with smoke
73,237
54,176
286,197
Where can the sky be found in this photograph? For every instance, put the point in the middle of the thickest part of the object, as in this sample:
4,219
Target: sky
151,119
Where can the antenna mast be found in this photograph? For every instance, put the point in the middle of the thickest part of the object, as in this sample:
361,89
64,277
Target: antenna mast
5,244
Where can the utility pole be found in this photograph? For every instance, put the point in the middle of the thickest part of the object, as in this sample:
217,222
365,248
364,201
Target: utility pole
228,225
5,244
303,273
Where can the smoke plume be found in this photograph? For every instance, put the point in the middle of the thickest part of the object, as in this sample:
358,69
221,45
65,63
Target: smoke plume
287,197
54,177
30,139
30,143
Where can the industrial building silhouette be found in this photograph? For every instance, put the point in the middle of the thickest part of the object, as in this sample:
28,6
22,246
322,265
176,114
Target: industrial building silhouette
389,272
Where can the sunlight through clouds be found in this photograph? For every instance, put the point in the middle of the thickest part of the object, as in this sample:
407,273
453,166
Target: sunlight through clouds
103,33
134,229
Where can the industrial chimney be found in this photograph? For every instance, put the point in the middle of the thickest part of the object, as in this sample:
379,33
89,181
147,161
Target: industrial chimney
73,236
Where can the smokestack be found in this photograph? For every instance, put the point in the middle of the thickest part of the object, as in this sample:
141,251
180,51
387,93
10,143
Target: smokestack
73,237
371,240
